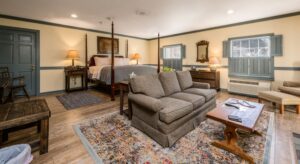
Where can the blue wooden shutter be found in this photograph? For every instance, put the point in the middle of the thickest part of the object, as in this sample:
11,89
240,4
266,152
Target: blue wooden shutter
226,49
183,51
276,45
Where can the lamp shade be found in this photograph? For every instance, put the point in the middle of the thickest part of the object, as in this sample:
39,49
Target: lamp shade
73,54
136,56
214,60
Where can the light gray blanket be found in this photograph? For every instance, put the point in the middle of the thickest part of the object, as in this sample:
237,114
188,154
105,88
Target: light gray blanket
122,72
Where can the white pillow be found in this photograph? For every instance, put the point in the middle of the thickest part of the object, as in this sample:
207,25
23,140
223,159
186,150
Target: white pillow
119,62
102,61
126,61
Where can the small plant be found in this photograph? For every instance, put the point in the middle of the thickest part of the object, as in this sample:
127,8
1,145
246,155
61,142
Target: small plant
168,69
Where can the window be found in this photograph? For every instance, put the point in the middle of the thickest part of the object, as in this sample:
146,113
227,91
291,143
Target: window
253,56
172,56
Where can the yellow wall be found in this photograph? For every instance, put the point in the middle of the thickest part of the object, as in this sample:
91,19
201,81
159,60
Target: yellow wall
289,27
56,41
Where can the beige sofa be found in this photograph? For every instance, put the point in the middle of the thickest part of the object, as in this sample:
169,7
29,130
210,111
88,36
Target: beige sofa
169,105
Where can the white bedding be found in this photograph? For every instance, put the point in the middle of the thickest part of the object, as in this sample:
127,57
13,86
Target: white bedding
95,71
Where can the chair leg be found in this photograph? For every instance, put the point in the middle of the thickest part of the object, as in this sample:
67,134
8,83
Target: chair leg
26,93
281,108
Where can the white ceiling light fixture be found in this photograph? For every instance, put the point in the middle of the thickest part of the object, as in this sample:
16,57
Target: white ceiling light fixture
230,11
74,15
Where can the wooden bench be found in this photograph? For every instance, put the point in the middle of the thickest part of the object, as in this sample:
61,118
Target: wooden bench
17,116
281,99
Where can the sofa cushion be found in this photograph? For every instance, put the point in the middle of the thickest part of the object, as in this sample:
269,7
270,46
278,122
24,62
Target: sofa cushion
169,82
148,85
184,79
174,109
196,100
207,93
290,90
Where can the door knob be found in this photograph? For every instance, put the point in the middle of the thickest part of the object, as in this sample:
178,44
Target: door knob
32,67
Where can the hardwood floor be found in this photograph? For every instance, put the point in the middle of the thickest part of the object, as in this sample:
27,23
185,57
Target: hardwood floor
66,147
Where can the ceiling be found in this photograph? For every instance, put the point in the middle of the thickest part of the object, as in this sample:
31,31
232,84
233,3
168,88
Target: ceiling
164,16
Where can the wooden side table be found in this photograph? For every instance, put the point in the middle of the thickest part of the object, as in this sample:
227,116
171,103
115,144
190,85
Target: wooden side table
73,72
19,115
124,87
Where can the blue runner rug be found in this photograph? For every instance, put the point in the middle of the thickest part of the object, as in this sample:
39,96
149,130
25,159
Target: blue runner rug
78,99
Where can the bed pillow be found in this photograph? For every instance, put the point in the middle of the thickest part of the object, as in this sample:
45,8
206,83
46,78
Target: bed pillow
102,61
121,61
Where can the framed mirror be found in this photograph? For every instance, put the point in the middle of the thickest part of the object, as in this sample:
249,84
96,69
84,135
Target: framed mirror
202,51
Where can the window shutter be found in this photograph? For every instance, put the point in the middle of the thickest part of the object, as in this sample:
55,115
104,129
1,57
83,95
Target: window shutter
276,45
226,49
182,51
161,53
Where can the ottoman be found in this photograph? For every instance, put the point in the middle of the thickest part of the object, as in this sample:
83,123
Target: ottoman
281,99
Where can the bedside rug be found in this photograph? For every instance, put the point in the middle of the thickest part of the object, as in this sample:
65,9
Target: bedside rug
78,99
111,139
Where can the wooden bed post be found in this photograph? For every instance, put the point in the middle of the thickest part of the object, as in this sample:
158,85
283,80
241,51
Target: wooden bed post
158,56
112,64
86,60
126,53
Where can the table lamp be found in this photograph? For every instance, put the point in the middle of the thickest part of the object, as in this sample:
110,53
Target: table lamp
214,63
136,57
73,54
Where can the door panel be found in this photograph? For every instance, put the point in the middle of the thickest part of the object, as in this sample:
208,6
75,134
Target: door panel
18,52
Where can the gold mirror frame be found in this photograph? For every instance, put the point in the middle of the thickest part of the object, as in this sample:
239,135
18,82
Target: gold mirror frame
202,51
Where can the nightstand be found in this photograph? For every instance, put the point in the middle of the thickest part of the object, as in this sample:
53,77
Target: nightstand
210,77
74,72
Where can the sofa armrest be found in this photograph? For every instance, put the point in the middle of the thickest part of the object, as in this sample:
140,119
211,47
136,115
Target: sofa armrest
201,85
148,102
291,84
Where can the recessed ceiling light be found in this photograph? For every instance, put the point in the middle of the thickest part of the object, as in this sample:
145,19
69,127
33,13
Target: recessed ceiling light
74,15
230,11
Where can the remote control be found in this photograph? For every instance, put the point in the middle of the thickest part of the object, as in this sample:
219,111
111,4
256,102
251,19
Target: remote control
234,118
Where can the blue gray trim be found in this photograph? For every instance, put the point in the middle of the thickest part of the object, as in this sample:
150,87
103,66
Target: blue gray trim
52,92
52,68
65,26
234,24
225,66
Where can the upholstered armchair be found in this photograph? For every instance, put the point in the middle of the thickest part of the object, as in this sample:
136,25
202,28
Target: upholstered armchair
290,87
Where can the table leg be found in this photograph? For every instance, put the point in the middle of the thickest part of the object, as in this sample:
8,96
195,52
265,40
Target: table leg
129,110
281,108
121,100
298,109
230,144
44,136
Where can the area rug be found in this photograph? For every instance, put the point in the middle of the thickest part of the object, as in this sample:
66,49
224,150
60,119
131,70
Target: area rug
111,139
78,99
296,140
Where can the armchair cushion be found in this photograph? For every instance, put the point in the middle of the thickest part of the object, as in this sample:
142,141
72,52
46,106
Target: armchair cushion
174,109
147,102
290,90
207,93
196,100
148,85
184,79
169,82
291,84
201,85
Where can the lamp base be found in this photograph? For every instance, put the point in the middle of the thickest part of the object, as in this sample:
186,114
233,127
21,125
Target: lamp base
213,69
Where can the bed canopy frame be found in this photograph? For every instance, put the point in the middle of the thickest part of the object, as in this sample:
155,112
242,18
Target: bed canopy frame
113,85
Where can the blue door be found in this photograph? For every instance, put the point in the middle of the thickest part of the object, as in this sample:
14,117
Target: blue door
18,53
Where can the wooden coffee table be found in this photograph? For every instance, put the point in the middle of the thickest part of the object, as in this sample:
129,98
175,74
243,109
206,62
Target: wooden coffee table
221,113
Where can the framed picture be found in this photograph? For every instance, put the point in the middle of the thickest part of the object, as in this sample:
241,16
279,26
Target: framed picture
104,45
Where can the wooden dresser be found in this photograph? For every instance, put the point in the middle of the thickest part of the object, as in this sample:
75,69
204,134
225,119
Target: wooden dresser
213,78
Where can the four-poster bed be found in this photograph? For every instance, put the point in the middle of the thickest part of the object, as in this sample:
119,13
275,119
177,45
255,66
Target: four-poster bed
110,75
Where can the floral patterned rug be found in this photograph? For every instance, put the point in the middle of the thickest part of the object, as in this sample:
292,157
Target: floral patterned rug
111,139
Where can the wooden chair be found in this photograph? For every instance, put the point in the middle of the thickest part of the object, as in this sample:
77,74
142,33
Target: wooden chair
13,84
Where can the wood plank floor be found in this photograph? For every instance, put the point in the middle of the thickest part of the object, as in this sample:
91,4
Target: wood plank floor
66,147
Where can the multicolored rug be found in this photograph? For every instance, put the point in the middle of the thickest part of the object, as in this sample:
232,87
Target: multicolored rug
111,139
78,99
296,140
